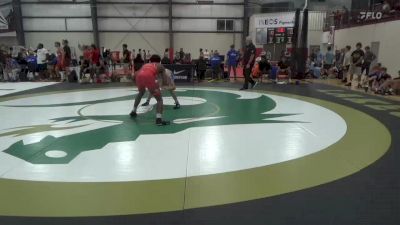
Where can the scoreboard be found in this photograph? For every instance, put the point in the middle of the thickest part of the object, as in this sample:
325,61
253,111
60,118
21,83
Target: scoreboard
280,35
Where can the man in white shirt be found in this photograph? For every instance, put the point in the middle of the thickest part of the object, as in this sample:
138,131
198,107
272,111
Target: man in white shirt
347,62
206,54
42,53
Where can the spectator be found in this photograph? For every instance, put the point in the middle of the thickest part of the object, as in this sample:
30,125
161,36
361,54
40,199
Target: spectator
32,65
357,58
181,54
11,69
138,62
263,64
329,60
206,55
177,59
313,55
379,79
346,62
41,60
368,59
165,60
144,55
201,67
215,62
248,63
94,59
59,53
284,67
268,55
148,56
86,71
386,7
166,53
201,53
51,60
126,55
390,86
66,58
87,54
232,59
101,71
187,59
319,58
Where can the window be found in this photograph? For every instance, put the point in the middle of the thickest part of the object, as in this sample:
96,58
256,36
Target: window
229,25
225,25
220,25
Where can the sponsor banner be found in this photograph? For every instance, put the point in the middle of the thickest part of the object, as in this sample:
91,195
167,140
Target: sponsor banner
365,16
181,73
275,20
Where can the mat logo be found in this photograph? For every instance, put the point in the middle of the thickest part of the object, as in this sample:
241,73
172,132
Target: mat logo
215,109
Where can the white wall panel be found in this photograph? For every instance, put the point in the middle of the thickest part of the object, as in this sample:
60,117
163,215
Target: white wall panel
200,25
155,42
133,24
44,24
316,20
192,42
132,10
215,1
207,10
131,1
55,10
79,24
48,39
389,42
61,1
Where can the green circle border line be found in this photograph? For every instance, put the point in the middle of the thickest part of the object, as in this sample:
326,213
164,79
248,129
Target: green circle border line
354,152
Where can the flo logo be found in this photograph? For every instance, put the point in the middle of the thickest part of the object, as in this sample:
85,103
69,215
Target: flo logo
203,109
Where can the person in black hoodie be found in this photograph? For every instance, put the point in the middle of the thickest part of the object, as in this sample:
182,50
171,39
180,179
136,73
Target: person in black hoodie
138,61
201,68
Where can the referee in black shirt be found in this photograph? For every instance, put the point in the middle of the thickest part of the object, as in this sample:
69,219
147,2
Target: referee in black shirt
249,59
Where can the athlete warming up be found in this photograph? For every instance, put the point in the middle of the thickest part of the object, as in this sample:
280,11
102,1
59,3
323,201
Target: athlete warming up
170,86
147,77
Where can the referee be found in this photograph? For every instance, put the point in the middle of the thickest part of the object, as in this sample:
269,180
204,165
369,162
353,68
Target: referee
249,58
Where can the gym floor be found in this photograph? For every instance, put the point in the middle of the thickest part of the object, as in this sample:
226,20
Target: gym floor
278,154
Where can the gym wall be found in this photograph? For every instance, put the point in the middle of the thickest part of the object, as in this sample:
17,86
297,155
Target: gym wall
385,33
192,42
155,42
142,26
315,27
47,39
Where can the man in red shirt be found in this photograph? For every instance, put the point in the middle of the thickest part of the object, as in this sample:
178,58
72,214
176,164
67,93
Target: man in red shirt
147,77
94,59
95,55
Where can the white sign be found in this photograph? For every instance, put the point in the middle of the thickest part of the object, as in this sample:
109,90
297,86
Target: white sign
274,20
3,22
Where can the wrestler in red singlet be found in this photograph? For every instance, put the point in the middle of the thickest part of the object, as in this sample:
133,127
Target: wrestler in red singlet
147,78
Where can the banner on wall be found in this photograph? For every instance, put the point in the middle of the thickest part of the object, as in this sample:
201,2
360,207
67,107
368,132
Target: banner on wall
275,20
370,15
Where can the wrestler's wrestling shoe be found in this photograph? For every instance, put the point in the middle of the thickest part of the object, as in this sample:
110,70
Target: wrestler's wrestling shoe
160,122
177,106
133,114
